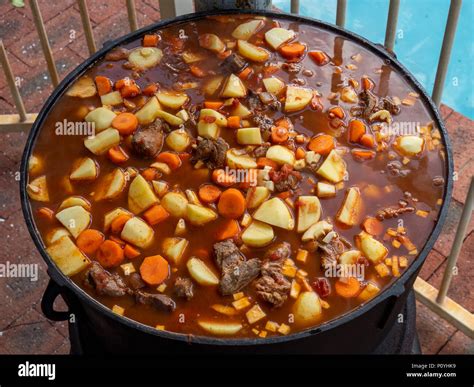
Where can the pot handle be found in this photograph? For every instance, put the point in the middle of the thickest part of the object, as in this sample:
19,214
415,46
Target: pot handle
53,290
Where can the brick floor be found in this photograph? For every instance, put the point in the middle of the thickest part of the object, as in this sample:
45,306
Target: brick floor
24,327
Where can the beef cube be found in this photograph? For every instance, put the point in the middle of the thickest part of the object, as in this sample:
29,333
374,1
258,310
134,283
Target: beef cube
212,153
158,301
147,142
184,287
106,283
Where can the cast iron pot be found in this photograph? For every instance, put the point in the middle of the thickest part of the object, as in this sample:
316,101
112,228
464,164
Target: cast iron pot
358,331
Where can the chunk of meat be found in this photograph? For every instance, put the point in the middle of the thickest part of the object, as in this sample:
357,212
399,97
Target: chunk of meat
119,53
331,251
292,68
135,281
393,212
273,287
106,283
261,151
280,251
285,179
158,301
184,287
211,152
236,271
234,64
147,142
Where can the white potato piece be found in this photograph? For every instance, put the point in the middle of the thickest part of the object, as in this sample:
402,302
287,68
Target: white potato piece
101,117
201,273
368,292
111,99
35,164
111,215
349,213
246,30
249,136
252,52
38,189
220,329
137,232
199,215
220,118
256,196
145,57
309,212
258,234
234,87
208,130
307,308
349,257
211,42
409,145
75,201
170,118
325,190
277,36
102,142
67,256
173,249
316,231
175,203
297,98
281,155
333,168
76,219
241,110
140,195
160,187
274,85
178,140
84,87
172,100
236,160
112,185
192,57
276,213
84,169
211,86
372,249
148,113
55,234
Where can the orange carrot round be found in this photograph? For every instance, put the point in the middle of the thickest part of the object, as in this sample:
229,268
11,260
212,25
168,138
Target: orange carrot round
322,144
117,224
372,226
279,134
348,288
89,241
125,123
171,159
356,130
110,254
231,204
292,50
229,229
209,193
130,251
154,270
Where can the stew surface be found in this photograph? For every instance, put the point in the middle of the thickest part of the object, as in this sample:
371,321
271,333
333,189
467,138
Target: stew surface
237,176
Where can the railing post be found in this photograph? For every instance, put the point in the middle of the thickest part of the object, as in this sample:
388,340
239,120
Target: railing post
341,13
86,23
173,8
444,56
295,6
391,25
132,15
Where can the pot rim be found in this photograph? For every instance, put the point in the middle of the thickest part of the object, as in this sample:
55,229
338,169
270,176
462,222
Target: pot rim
394,290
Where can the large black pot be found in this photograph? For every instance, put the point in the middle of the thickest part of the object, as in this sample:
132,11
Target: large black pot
358,331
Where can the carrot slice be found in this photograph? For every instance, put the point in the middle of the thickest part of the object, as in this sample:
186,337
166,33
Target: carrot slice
356,130
216,105
363,154
231,204
263,162
220,177
90,240
348,288
149,174
322,144
373,226
117,155
201,253
300,153
319,57
337,111
367,83
209,193
197,71
130,251
284,195
154,270
230,229
125,123
233,122
367,140
117,224
292,50
269,70
284,123
151,40
171,159
110,254
46,213
117,240
150,90
104,85
156,214
130,91
279,134
245,73
224,54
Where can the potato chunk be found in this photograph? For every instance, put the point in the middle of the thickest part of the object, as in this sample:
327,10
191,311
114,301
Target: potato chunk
112,185
101,117
201,272
103,141
172,100
349,213
175,203
316,231
76,219
281,155
372,249
173,249
276,213
246,30
38,189
145,57
148,113
111,215
277,36
252,52
256,196
234,87
297,98
220,329
199,215
137,232
75,201
333,168
178,140
249,136
84,169
237,160
258,234
84,87
140,195
67,256
274,85
307,308
309,212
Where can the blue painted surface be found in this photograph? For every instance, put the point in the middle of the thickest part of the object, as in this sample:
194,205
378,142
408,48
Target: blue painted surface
420,32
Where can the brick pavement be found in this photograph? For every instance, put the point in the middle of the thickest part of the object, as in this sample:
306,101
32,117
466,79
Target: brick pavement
23,327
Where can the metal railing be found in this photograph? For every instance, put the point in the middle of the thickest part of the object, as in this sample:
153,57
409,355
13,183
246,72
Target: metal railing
436,300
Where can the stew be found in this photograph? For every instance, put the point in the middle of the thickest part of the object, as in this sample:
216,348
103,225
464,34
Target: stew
237,176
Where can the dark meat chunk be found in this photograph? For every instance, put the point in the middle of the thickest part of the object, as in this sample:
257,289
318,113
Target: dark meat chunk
393,212
265,124
269,100
293,67
368,102
106,283
322,287
280,251
395,168
261,151
147,142
331,251
285,179
273,287
211,152
118,53
388,104
234,64
254,103
135,281
236,271
184,287
438,181
158,301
